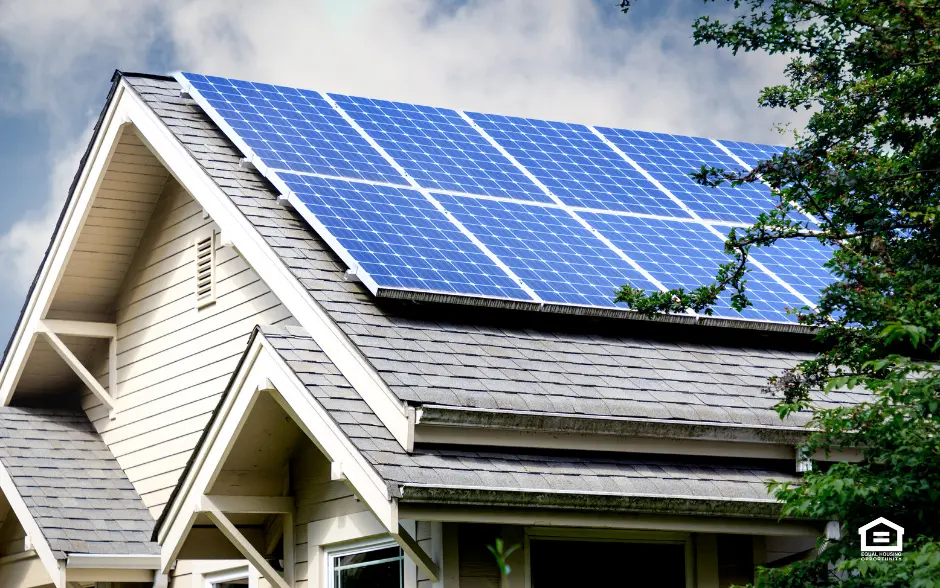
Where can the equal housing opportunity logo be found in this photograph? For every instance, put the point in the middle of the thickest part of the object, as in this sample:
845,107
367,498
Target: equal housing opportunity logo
881,540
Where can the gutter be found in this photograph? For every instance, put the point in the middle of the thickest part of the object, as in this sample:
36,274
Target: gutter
84,561
465,496
532,421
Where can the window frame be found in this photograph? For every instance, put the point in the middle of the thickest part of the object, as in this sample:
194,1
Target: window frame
238,573
332,553
610,536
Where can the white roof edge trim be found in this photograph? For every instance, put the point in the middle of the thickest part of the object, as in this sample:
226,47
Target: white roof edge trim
265,370
35,534
269,266
63,241
143,561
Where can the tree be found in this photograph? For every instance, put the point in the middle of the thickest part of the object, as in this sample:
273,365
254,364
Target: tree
867,166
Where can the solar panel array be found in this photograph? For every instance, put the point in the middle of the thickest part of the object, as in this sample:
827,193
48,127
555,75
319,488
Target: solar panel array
417,199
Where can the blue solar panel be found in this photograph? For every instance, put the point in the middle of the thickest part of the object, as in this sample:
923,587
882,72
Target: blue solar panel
577,166
396,238
752,153
686,255
290,129
549,250
400,239
799,263
439,149
671,158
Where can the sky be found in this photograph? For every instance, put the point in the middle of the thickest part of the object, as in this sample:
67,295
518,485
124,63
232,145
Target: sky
570,60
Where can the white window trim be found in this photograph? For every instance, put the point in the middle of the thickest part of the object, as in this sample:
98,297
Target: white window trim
239,573
331,553
611,536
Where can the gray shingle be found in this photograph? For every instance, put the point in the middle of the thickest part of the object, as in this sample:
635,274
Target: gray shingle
73,485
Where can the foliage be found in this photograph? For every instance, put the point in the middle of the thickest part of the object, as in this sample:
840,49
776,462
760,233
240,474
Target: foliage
502,553
866,167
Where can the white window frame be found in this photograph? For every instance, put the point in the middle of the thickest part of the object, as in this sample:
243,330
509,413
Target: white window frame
610,536
360,547
239,573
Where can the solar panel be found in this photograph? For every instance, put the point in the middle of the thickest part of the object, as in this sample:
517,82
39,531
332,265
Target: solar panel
548,249
439,149
420,199
671,158
290,129
751,153
687,255
399,238
577,166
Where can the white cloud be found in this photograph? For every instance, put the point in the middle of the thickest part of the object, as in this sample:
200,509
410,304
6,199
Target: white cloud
562,59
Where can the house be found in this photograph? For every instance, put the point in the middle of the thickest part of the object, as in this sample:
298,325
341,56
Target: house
881,535
207,388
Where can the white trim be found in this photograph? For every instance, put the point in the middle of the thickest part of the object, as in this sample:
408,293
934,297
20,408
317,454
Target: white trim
81,328
63,242
269,266
251,504
113,562
417,554
73,362
243,545
363,546
55,569
264,370
239,573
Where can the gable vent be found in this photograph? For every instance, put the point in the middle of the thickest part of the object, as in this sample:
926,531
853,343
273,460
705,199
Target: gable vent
205,270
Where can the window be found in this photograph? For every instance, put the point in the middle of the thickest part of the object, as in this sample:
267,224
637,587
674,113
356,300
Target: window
375,566
234,578
565,563
205,270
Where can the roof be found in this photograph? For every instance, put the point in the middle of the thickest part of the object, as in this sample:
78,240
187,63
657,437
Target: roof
73,486
489,358
438,475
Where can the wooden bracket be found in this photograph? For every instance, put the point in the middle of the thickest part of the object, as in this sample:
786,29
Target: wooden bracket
51,329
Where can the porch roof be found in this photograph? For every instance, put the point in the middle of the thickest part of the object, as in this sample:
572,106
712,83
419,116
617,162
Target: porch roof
71,483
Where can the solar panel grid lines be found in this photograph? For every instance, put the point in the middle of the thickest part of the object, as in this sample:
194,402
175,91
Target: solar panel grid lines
398,238
687,255
575,165
548,249
744,164
486,206
672,158
437,148
548,192
434,201
645,173
286,128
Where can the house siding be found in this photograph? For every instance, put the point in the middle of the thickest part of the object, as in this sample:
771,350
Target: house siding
174,360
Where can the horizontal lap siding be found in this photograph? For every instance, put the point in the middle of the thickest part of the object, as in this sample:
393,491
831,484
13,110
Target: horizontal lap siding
316,499
173,360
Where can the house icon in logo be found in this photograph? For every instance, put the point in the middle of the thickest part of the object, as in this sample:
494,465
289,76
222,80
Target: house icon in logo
881,535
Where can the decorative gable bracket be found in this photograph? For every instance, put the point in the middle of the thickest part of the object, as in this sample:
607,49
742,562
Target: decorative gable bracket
51,329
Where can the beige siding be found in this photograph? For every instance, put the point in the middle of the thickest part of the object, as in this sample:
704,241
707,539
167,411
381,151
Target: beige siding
174,360
316,499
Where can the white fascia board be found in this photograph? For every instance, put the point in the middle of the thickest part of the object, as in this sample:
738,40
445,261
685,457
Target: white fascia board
63,242
269,266
113,562
264,370
33,532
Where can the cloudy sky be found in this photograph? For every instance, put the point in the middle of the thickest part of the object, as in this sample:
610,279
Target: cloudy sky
572,60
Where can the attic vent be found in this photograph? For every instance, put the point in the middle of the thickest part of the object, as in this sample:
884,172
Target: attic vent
205,270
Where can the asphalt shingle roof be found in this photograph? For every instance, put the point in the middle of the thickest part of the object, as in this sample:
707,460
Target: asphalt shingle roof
72,484
461,363
492,470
